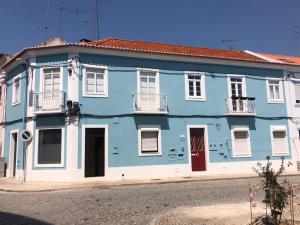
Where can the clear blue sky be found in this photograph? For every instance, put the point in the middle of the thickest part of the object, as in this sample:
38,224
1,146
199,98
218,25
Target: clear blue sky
259,25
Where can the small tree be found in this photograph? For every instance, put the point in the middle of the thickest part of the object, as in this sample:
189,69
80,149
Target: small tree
276,195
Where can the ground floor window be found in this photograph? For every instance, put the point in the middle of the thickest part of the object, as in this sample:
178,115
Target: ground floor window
241,142
50,146
279,140
149,140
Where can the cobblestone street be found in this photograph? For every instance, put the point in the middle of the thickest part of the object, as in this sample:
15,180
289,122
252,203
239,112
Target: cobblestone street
129,205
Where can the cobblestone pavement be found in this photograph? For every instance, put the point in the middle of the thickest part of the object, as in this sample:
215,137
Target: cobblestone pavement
129,205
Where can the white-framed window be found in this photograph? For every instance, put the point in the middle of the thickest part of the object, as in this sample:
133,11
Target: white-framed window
95,81
274,90
241,146
148,84
149,140
194,86
279,139
49,147
16,90
297,92
52,83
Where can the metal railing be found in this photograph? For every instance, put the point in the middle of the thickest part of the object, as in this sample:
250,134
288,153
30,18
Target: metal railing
150,103
240,105
48,102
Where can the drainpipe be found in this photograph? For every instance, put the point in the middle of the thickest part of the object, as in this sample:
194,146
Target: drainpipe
24,117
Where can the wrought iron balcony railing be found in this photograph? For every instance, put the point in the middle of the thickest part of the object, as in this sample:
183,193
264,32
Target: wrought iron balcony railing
49,102
240,105
150,103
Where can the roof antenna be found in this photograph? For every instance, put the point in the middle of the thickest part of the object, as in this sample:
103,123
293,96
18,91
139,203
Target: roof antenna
230,41
97,18
75,12
46,21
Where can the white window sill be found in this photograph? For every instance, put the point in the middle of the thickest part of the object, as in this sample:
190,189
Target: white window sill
95,96
49,165
15,103
242,156
150,154
276,102
280,154
195,99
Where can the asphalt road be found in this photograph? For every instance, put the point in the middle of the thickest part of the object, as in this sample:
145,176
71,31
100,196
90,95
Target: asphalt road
124,205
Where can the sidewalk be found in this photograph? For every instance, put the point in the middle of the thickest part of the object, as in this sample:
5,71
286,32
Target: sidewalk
11,185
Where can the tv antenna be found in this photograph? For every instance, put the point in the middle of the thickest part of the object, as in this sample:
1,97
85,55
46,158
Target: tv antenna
61,10
296,32
230,42
46,21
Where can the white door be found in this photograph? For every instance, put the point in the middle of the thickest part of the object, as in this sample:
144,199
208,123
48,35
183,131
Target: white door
237,90
148,88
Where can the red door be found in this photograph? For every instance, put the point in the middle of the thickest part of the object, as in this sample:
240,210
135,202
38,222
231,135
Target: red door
197,146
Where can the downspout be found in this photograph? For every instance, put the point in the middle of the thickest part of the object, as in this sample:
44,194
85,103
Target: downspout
24,118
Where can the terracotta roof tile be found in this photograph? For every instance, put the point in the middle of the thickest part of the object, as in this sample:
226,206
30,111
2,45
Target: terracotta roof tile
283,58
168,49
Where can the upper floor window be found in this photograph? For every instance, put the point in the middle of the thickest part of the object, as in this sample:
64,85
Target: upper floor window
237,86
16,90
51,82
297,92
95,82
274,91
194,86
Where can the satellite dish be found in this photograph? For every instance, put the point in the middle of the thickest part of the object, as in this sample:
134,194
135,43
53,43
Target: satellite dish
26,135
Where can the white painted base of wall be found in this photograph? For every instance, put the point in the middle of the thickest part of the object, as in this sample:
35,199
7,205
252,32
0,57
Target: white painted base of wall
54,175
19,175
152,172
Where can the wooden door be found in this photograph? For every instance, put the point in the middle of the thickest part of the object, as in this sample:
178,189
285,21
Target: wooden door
197,148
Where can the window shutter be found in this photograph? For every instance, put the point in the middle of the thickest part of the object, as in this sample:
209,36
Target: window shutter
149,141
241,142
279,142
297,92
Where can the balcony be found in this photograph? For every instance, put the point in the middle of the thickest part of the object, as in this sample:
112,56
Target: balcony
240,106
150,104
49,102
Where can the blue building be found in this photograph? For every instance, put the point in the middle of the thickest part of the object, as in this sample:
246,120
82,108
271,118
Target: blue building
119,109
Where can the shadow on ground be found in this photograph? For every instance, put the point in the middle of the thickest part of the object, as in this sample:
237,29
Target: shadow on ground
14,219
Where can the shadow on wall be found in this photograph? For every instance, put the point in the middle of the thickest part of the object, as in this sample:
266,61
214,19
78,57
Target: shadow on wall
241,121
152,120
14,219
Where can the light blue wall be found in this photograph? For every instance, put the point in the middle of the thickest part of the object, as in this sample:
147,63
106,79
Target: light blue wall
123,135
14,114
116,110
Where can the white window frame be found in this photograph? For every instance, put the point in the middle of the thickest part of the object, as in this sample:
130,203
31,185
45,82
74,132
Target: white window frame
244,89
142,128
279,128
42,79
240,128
62,163
105,81
156,71
202,87
281,99
14,90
